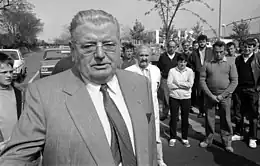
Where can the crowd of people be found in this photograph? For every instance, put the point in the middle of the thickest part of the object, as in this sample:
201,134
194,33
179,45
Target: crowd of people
100,109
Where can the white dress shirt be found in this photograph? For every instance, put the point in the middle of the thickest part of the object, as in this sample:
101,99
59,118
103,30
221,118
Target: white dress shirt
202,55
171,56
246,58
180,83
116,95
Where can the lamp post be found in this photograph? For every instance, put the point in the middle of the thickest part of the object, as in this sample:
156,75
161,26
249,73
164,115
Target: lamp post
224,30
219,23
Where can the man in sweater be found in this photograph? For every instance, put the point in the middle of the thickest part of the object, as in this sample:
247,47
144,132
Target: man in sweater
167,61
10,100
218,80
248,68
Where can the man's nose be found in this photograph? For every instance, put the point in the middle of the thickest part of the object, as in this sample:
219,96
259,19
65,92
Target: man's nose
9,74
99,52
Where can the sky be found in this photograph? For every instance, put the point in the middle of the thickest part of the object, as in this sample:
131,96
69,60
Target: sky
55,14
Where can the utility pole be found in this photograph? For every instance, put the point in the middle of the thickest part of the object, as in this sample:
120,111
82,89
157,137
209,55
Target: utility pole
219,23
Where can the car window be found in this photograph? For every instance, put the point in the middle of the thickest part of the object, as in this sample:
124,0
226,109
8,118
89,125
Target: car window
12,54
56,54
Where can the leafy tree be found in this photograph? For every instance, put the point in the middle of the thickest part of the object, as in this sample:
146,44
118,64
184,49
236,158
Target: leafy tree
20,24
137,32
65,37
172,32
125,33
167,10
5,4
240,31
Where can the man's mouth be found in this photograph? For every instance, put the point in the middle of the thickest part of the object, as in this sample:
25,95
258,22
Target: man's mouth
100,65
8,79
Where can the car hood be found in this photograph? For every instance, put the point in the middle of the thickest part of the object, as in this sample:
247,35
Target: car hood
49,62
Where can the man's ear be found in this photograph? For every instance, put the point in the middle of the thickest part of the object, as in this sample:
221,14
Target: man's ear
72,54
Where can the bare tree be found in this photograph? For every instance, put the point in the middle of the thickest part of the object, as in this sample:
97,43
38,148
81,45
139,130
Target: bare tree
167,10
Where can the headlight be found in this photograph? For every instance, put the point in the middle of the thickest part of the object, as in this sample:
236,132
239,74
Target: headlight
44,69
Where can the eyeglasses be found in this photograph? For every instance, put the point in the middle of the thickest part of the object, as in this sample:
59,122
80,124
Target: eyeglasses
91,47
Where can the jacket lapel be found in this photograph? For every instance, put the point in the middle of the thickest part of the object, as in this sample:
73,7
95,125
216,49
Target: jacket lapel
18,97
138,116
86,119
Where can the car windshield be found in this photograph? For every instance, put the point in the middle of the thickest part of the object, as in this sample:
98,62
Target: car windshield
12,54
56,54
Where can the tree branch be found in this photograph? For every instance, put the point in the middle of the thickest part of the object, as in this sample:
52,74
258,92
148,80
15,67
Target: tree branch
202,19
163,14
4,6
175,11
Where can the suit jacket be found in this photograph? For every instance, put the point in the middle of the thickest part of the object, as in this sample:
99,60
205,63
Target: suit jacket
255,65
64,64
155,75
60,120
19,100
195,63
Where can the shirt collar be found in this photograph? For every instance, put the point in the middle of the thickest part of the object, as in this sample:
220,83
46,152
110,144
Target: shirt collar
181,71
147,68
223,60
203,50
171,55
113,85
248,56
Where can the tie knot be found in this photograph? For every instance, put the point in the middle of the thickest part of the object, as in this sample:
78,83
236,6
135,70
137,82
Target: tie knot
103,87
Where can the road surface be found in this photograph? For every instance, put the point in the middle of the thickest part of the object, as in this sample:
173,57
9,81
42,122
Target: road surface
180,155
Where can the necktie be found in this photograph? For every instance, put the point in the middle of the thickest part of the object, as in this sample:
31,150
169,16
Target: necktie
121,146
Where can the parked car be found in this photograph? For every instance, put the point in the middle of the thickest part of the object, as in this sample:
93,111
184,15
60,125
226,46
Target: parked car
20,70
50,59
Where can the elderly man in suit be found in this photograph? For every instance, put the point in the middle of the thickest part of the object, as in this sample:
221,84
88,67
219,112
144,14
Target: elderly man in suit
152,72
93,114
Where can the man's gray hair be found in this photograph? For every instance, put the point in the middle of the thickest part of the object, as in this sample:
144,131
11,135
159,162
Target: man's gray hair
143,46
96,17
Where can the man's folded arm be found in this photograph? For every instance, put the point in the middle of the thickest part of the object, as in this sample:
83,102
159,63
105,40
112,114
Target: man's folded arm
28,137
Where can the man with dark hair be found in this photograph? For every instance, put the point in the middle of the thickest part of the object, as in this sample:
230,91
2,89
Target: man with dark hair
186,48
218,80
235,111
195,45
128,56
248,68
196,61
231,50
166,61
10,99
